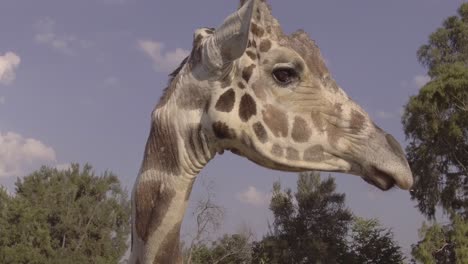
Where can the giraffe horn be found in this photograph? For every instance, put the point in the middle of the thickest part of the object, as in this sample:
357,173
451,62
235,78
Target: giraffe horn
230,39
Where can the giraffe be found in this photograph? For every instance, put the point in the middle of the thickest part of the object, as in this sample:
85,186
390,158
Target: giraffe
249,88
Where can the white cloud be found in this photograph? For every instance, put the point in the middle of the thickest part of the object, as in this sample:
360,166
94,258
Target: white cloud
8,64
19,154
254,197
65,43
162,61
421,80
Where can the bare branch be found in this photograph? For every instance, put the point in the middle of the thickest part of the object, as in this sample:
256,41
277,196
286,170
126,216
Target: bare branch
209,217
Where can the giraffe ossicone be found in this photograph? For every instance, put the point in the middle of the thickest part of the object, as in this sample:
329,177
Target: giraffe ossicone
249,88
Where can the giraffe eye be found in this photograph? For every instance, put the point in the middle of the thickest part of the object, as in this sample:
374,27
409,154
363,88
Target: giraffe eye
285,75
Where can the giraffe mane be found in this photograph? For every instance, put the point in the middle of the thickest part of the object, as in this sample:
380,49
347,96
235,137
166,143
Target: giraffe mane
167,92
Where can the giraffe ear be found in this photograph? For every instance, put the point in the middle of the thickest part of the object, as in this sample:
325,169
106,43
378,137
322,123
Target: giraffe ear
230,40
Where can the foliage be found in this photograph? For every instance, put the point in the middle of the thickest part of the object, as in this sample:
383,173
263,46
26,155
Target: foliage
70,216
314,226
308,229
370,243
229,249
443,244
448,44
436,122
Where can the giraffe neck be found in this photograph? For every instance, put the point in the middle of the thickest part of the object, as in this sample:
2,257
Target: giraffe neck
175,152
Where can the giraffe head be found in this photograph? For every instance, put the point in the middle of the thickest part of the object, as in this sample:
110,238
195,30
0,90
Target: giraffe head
270,98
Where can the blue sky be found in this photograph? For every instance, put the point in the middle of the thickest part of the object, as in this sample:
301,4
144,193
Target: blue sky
78,81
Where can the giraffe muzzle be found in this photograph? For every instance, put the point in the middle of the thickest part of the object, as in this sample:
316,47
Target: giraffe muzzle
387,166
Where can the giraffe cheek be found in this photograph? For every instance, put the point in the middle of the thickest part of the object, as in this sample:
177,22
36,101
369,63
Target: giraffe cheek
301,131
247,108
259,91
226,101
260,132
276,120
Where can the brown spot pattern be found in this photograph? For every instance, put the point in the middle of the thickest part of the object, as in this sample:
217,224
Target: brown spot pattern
259,91
192,98
226,82
292,154
241,85
334,132
247,72
260,132
276,120
357,121
222,131
317,120
314,153
151,202
256,30
300,131
265,45
254,44
277,151
160,150
169,252
247,107
251,54
226,101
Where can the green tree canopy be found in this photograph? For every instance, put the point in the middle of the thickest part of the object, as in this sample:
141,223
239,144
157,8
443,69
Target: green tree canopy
229,249
69,216
436,123
448,44
370,243
443,244
309,228
314,226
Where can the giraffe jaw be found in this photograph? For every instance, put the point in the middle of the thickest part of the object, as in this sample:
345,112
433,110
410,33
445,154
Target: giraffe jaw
381,180
385,181
386,166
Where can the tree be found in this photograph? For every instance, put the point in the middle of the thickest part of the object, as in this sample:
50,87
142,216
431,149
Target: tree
229,249
314,226
370,243
209,217
443,244
447,45
436,123
69,216
309,228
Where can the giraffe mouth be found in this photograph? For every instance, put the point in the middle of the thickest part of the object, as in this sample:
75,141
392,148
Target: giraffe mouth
380,179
